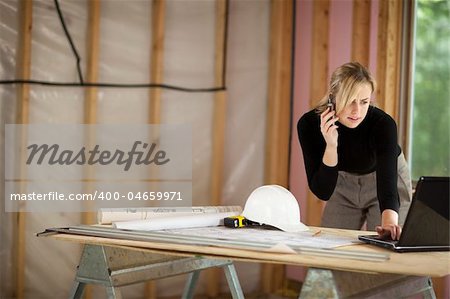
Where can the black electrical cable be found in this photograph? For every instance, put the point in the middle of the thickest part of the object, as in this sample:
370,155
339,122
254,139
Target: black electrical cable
69,38
225,43
116,85
121,85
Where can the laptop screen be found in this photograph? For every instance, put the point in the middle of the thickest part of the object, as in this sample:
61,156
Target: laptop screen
427,223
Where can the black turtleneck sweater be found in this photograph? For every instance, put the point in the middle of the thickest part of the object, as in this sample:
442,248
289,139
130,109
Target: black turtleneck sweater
372,146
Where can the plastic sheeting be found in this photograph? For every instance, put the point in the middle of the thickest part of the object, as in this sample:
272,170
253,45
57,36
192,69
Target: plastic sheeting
125,49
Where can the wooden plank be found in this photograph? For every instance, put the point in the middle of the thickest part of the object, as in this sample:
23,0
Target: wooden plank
319,84
90,100
433,264
232,239
219,124
157,59
23,71
406,75
90,103
279,94
219,114
158,14
93,37
276,166
361,31
388,56
24,60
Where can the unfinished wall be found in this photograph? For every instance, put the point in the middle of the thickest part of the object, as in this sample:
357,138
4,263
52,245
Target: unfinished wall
124,57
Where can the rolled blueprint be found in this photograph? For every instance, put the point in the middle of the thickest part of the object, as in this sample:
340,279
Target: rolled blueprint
175,221
107,216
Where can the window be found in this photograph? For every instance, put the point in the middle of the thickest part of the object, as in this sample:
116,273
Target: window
430,135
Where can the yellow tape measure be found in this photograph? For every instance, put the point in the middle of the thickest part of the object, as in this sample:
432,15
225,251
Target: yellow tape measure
235,221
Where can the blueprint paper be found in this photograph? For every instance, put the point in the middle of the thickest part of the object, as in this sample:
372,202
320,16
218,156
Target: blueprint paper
268,236
108,216
174,221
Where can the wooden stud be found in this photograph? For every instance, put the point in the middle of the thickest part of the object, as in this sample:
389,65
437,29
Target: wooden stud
361,31
90,102
319,83
279,94
276,167
219,124
24,60
155,94
406,77
23,71
157,59
388,60
220,109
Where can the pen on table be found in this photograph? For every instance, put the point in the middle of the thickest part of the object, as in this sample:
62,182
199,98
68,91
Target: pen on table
317,233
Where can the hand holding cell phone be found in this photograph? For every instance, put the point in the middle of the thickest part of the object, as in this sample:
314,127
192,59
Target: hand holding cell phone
328,127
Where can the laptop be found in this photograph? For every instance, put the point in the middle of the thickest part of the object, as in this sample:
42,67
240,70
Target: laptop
426,226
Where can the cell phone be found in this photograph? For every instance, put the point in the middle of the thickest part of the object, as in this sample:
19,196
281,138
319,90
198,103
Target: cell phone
331,102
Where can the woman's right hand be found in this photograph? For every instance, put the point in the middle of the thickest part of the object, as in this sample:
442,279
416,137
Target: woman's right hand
329,128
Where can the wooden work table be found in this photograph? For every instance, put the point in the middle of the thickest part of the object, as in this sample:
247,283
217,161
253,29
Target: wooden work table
395,265
435,264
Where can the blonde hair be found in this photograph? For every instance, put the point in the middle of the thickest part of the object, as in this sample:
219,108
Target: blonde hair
345,83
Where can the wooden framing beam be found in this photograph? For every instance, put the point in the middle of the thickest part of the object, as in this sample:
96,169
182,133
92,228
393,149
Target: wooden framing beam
158,13
90,99
319,83
276,164
23,70
406,75
219,124
157,59
93,34
24,60
220,108
361,31
279,94
388,56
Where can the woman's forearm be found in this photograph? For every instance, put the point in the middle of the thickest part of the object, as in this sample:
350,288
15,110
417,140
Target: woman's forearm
330,157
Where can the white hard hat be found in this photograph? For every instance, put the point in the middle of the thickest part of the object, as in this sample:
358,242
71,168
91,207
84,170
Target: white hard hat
276,206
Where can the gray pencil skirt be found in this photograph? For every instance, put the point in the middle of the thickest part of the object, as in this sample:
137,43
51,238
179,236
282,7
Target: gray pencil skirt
354,200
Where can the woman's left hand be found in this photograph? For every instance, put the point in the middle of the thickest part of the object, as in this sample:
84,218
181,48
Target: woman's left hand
392,231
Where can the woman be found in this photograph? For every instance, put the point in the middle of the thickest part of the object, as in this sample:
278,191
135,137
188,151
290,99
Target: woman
352,157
